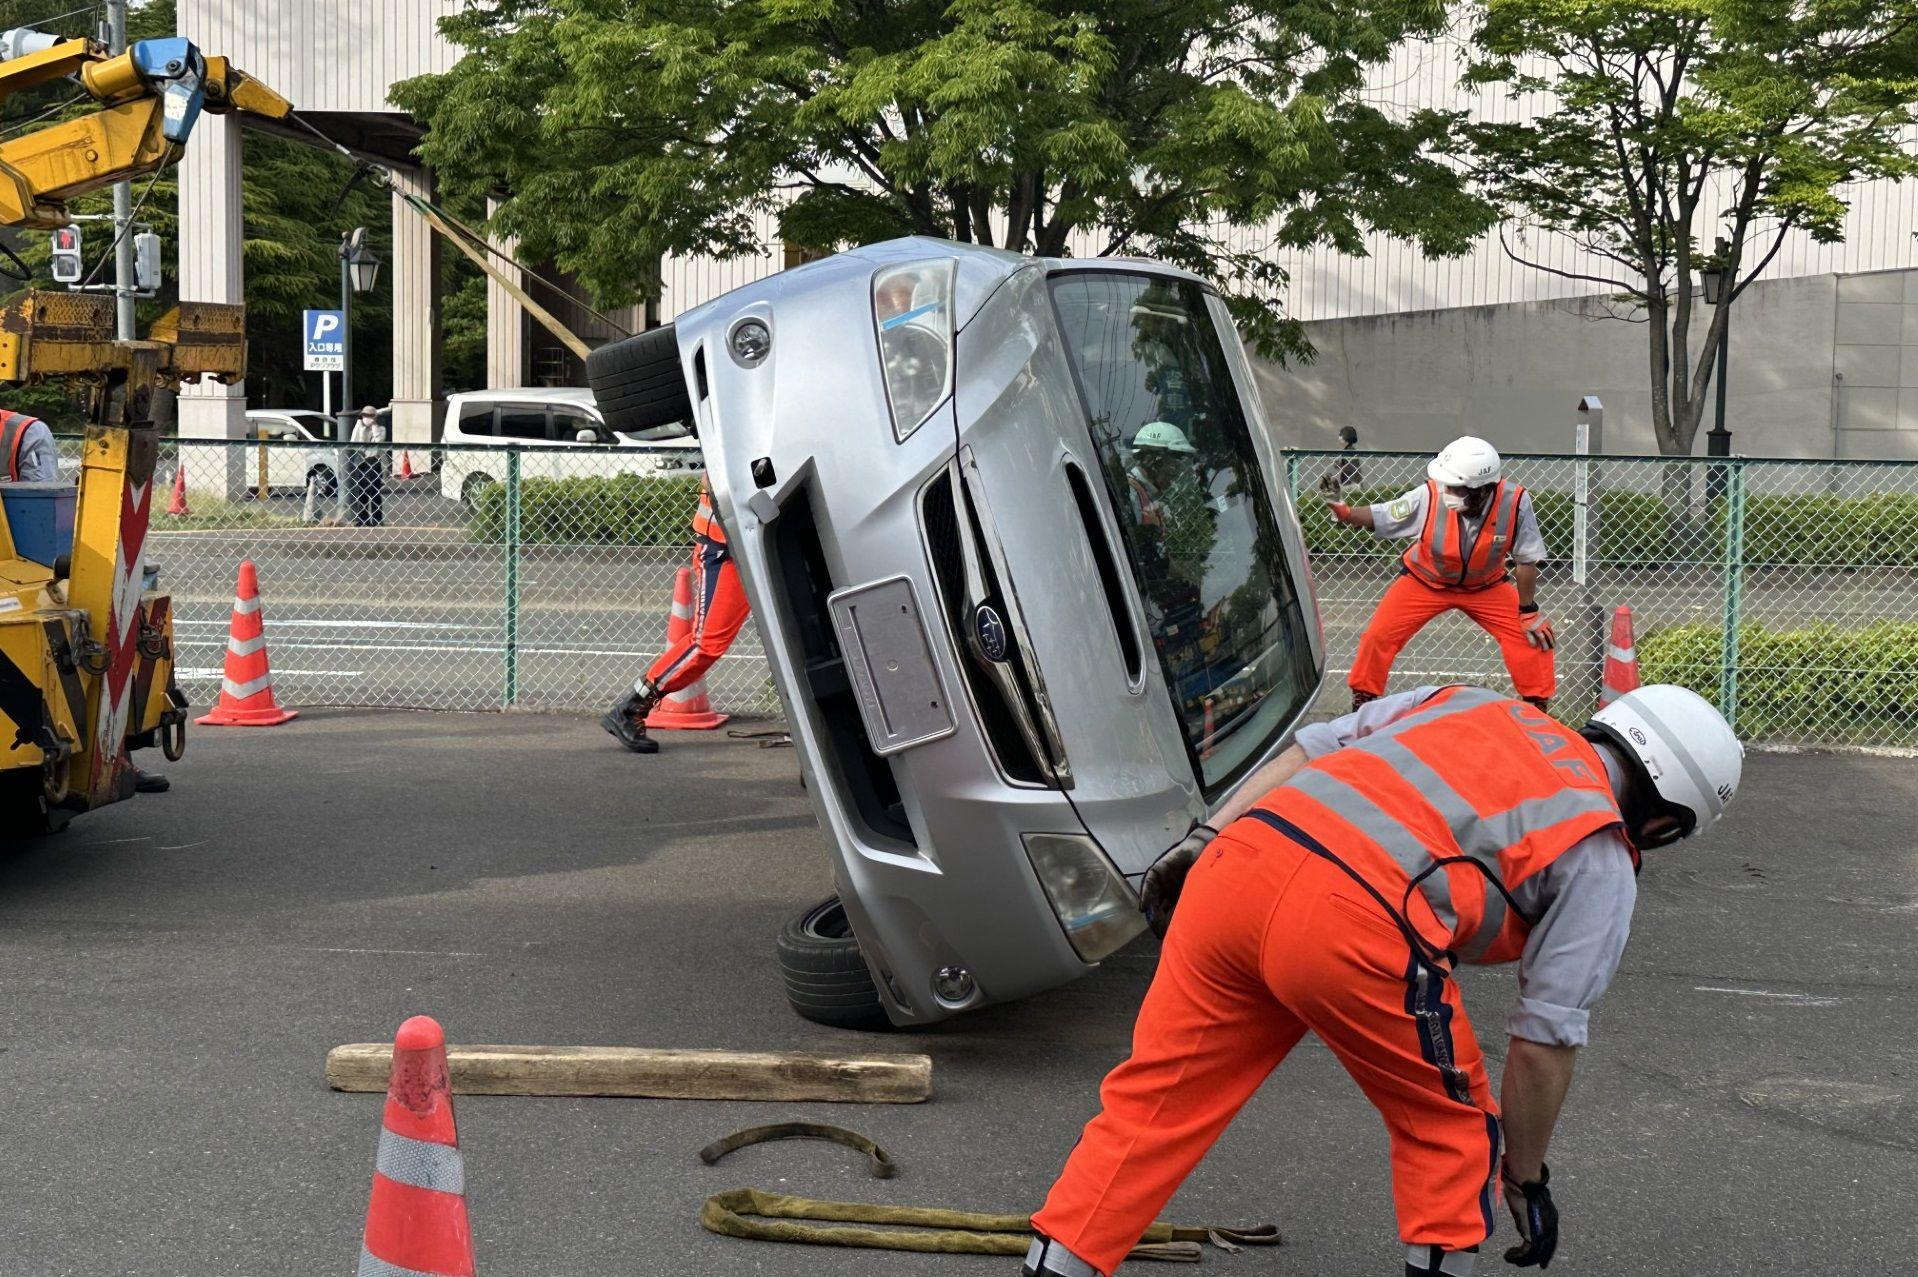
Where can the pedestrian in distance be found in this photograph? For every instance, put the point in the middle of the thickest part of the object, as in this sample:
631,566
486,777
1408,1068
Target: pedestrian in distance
1475,548
1351,470
366,494
1351,875
719,610
27,452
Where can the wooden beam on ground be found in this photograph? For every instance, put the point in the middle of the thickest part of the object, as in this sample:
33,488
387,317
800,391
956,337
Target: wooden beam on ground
652,1073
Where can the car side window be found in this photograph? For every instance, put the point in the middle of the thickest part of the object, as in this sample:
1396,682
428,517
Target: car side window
568,422
521,421
477,419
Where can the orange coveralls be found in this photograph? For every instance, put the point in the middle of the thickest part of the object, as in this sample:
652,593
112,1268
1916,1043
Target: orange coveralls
1445,569
1291,923
719,606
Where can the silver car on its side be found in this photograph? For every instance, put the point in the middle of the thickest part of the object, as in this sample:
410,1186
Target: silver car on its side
1030,588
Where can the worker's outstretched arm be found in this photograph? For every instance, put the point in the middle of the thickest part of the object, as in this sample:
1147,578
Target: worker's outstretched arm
1531,1094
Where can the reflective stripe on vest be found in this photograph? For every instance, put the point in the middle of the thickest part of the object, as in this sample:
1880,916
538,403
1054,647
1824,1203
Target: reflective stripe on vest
1499,785
705,520
1445,558
13,435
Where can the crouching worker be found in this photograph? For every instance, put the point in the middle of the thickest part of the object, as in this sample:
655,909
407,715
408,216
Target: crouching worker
1356,872
719,610
1465,523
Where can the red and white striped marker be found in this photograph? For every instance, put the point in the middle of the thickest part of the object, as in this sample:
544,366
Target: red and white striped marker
416,1218
688,709
246,691
1621,660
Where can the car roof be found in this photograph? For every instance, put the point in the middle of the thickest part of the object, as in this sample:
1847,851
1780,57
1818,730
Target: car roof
528,394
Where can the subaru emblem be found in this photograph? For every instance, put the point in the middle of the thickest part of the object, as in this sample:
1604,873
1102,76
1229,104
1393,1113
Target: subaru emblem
991,633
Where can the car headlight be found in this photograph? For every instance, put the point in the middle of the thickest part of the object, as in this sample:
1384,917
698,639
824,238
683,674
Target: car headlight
1093,903
912,311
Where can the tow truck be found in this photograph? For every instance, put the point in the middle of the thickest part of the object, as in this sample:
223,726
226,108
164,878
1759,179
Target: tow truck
86,642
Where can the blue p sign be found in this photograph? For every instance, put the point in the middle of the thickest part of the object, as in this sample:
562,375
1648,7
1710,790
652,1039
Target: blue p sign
325,340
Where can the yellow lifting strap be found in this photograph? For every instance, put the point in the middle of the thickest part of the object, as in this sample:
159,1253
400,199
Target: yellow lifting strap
779,1217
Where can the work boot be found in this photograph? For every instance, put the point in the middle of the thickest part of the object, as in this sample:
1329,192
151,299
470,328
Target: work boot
146,782
1431,1261
1360,699
627,719
1543,704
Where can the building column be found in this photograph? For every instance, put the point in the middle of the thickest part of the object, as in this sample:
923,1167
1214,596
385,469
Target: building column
212,230
505,321
416,314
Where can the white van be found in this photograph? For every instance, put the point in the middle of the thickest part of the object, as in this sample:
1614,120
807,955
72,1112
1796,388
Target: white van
552,421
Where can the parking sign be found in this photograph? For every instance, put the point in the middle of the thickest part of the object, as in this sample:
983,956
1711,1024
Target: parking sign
325,340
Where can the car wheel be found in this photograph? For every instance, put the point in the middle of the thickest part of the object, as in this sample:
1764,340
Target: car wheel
826,977
637,382
470,490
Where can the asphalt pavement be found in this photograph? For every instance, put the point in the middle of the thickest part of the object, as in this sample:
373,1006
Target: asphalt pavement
176,968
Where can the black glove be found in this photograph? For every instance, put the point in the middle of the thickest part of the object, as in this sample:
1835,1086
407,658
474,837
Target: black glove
1166,879
1535,1216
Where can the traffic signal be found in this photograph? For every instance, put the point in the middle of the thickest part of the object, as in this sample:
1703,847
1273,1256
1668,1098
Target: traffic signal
67,268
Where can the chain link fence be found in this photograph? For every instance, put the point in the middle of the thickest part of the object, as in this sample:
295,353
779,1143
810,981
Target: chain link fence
541,577
1784,591
463,577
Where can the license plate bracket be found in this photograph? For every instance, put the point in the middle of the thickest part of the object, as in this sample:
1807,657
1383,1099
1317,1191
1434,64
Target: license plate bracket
889,662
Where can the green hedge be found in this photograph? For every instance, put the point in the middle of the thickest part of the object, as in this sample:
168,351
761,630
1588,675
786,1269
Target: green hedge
1637,528
625,509
1818,683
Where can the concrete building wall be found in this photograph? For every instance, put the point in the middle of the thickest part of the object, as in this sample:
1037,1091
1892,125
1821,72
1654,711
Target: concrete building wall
1820,366
325,55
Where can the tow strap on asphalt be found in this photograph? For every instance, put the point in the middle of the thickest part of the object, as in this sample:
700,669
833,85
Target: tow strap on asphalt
780,1217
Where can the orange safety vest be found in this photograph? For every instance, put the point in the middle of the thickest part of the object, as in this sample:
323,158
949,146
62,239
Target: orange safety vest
1446,558
13,434
1467,786
705,520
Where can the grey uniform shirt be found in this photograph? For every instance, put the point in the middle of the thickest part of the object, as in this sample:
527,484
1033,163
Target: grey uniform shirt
39,459
1401,518
1583,902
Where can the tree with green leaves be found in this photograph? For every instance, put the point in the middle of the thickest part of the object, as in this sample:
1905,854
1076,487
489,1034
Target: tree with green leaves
1669,124
1206,133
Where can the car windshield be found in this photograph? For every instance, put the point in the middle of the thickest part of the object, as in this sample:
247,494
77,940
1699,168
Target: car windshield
1177,455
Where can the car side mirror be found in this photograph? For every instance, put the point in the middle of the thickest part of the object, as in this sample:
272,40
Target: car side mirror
586,436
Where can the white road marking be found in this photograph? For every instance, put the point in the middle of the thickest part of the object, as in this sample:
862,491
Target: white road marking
347,625
406,953
183,846
1789,999
211,672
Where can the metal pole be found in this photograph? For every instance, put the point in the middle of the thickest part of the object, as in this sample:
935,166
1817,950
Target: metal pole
1588,438
340,469
510,693
1734,588
123,281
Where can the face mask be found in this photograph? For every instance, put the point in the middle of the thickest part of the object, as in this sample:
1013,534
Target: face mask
1452,500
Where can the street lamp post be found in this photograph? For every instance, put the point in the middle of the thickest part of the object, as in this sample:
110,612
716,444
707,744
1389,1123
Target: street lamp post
359,271
1718,281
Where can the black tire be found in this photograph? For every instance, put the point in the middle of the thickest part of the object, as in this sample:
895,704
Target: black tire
474,484
637,382
825,974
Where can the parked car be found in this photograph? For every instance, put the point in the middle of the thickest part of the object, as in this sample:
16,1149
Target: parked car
289,468
1020,658
564,418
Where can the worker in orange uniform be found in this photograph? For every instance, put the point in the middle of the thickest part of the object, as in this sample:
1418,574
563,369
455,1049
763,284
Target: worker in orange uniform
1358,868
719,610
1465,523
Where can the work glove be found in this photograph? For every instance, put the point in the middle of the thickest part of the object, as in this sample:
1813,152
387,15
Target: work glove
1333,492
1538,631
1166,879
1535,1217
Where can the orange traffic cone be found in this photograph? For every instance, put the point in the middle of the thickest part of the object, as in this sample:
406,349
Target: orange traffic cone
246,692
416,1218
406,465
687,709
176,504
1621,660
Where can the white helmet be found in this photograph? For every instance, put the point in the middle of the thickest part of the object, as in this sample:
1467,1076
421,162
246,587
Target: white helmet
1684,745
1163,435
1466,462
